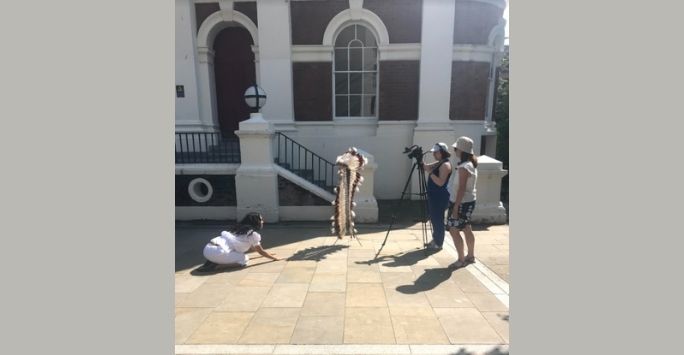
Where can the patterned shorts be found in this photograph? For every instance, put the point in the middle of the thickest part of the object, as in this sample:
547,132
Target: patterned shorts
465,211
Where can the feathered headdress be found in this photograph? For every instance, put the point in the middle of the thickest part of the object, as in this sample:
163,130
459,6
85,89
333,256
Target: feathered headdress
349,167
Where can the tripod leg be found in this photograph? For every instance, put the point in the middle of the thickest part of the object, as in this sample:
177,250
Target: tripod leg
401,200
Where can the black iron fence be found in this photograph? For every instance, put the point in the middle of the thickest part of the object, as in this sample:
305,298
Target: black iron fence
208,148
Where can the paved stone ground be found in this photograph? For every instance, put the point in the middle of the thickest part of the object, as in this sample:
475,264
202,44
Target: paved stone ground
341,293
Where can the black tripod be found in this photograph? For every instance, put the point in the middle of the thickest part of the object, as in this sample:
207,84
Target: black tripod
415,152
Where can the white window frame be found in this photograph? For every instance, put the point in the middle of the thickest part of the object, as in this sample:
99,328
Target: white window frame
376,71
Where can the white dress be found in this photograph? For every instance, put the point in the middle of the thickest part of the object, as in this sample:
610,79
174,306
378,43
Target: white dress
231,249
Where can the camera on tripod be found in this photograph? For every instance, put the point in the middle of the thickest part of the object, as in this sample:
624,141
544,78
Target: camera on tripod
415,152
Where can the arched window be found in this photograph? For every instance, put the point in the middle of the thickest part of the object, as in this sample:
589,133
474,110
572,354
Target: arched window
355,72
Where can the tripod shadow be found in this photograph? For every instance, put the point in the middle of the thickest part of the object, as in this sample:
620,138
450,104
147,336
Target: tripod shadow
316,253
430,279
406,259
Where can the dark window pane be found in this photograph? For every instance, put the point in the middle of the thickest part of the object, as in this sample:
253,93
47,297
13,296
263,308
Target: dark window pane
341,84
370,59
340,59
355,105
344,37
355,59
369,83
368,106
341,108
366,36
355,83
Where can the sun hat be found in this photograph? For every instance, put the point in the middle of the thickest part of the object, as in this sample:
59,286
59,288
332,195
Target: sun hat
464,144
440,147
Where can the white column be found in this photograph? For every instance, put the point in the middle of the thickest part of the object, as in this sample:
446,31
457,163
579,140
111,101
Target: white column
275,60
436,56
207,88
436,53
187,108
256,180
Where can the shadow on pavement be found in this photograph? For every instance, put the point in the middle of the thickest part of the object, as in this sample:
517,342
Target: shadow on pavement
316,253
495,351
406,259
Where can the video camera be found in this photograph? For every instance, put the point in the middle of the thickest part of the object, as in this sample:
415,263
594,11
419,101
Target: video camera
415,152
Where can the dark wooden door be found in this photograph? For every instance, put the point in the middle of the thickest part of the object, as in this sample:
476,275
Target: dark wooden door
234,71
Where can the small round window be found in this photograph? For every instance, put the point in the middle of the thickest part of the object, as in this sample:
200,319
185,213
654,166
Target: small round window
200,190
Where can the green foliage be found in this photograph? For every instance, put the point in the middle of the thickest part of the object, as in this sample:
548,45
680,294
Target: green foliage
501,119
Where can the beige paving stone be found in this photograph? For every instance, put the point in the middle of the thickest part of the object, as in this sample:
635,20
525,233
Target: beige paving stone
179,298
207,295
271,326
188,283
244,298
467,326
187,320
221,328
365,295
226,278
384,268
486,302
467,282
299,275
294,264
286,295
363,275
412,311
448,295
324,304
325,282
396,298
259,279
332,266
500,322
318,330
361,253
418,330
362,263
394,280
502,271
267,266
368,325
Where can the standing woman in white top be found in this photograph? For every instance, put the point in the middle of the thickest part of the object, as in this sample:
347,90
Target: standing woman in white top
231,247
462,201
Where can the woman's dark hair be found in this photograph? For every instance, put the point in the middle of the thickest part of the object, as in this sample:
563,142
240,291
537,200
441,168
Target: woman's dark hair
445,154
249,224
468,157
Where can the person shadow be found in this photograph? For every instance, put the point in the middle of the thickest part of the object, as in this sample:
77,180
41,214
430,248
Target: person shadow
405,259
430,279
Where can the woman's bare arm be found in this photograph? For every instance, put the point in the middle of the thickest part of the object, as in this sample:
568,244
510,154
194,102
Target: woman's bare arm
264,253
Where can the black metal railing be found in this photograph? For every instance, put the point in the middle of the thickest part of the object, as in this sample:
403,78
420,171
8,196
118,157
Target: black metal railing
207,148
304,163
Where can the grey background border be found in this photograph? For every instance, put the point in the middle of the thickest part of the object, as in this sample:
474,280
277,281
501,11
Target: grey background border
87,177
87,126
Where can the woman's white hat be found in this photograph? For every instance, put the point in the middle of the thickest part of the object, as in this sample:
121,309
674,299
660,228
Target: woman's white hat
440,146
464,144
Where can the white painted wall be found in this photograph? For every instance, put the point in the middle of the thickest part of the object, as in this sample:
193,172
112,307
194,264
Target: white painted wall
187,109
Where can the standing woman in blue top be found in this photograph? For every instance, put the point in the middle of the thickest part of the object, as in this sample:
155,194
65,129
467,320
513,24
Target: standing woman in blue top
437,192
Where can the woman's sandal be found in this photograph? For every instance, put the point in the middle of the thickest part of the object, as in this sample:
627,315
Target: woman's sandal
470,260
